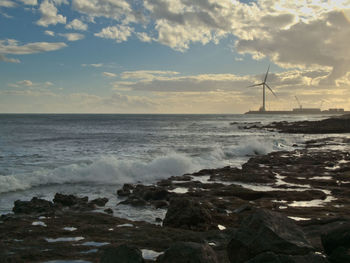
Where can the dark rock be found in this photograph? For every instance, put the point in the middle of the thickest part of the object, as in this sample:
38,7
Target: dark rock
99,201
188,252
160,204
122,254
122,192
187,213
266,231
157,194
270,257
134,201
69,200
108,211
336,243
159,220
126,190
36,205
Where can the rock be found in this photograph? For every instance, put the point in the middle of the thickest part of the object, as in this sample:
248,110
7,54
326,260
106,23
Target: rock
122,254
36,205
108,211
188,252
336,243
271,257
134,201
157,194
99,201
187,214
160,204
69,200
126,190
266,231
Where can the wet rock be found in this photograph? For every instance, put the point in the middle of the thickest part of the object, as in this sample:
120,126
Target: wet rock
160,204
122,254
266,231
271,257
156,194
69,200
134,201
35,205
99,201
108,211
336,243
187,213
339,124
126,190
185,252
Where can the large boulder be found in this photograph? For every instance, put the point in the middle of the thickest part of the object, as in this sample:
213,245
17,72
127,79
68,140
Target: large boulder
188,252
122,254
264,231
187,213
36,206
69,200
98,201
336,243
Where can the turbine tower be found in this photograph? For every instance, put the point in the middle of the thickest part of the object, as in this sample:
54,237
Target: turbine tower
264,84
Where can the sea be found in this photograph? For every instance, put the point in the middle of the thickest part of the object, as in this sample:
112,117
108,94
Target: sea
95,154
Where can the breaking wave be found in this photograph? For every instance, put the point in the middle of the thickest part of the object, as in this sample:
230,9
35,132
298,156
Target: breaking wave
112,171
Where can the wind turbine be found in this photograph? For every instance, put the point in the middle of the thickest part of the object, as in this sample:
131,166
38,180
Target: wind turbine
263,84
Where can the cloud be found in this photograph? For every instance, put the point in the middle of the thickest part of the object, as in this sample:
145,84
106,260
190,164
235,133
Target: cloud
11,46
144,37
29,2
109,74
147,74
28,84
9,60
96,65
118,10
7,3
119,33
72,36
49,33
49,14
76,24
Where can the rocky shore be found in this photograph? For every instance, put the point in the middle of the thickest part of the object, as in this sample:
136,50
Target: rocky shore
335,125
280,207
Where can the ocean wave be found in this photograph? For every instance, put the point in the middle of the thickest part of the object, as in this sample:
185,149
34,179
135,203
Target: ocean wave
105,170
113,171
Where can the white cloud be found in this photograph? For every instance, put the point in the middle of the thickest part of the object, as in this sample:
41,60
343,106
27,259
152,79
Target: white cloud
49,33
28,84
9,60
76,24
119,33
72,36
29,2
12,46
119,10
109,74
95,65
7,3
144,37
147,74
49,14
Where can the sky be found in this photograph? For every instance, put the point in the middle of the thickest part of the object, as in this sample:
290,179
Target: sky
172,56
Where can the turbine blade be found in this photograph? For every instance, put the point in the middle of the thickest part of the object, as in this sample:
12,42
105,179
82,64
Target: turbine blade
255,85
267,72
271,90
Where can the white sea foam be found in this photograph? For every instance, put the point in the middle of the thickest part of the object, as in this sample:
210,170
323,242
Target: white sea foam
111,170
106,170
